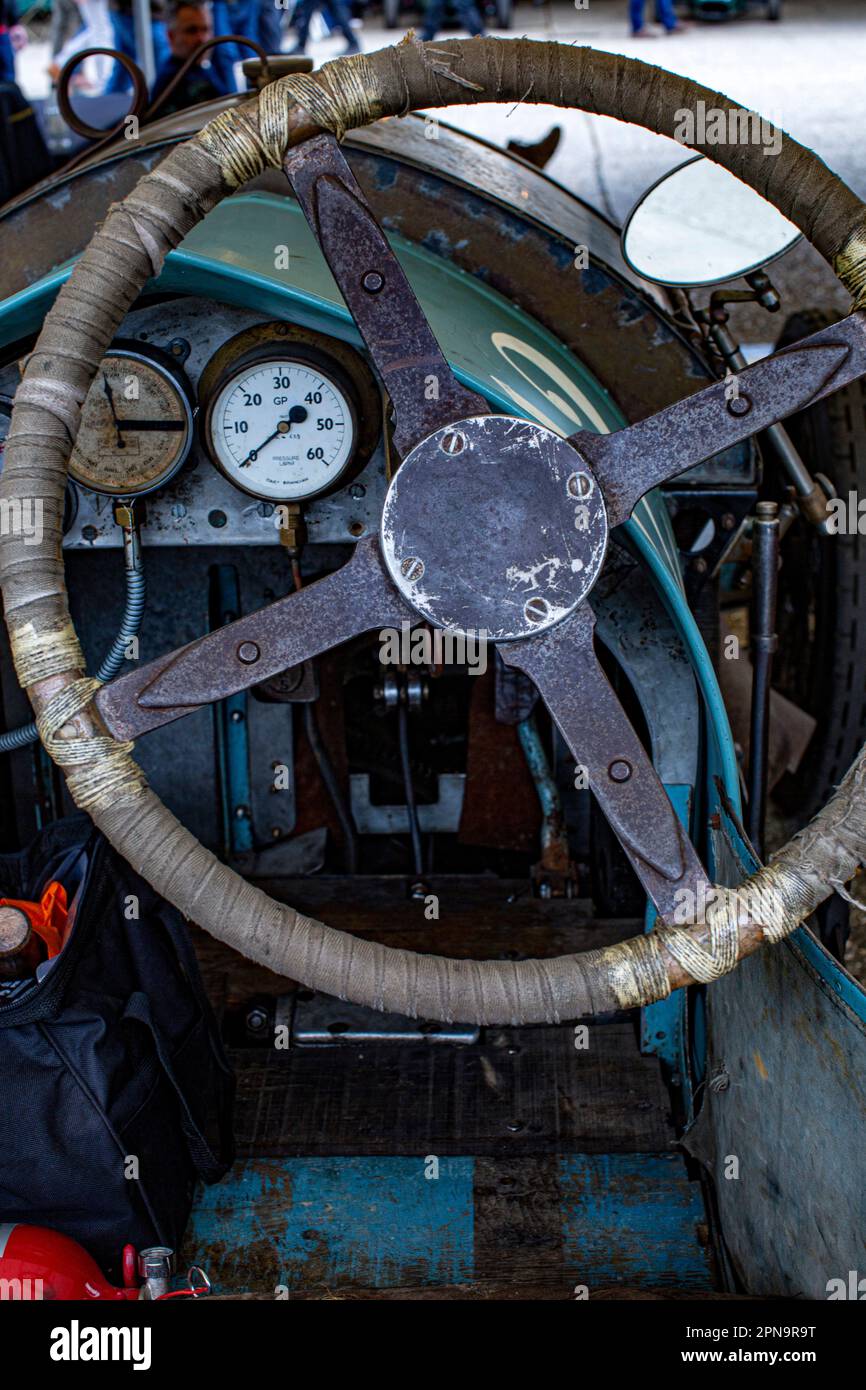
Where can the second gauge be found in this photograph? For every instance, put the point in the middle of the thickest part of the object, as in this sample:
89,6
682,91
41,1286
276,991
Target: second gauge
282,429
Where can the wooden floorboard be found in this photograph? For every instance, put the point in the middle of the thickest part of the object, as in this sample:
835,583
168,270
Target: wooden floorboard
515,1091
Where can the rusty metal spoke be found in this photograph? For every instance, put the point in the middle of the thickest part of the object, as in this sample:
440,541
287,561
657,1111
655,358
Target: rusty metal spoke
354,599
631,461
423,390
563,665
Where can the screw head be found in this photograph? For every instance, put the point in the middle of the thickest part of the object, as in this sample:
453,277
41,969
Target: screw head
453,442
412,569
373,281
619,770
357,490
579,485
536,610
248,653
739,405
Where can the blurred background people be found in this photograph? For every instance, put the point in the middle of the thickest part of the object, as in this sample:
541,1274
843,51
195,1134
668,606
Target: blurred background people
339,19
467,13
665,15
95,33
120,12
65,24
189,25
261,20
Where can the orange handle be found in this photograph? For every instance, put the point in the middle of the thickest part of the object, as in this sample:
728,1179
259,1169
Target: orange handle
48,917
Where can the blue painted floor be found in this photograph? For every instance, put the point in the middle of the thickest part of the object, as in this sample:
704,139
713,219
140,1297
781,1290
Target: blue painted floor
281,1226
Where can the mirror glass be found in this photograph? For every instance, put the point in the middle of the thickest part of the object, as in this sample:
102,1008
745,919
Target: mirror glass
700,225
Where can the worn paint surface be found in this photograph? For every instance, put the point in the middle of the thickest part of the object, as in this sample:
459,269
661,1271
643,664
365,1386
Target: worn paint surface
663,1024
633,1219
783,1128
317,1222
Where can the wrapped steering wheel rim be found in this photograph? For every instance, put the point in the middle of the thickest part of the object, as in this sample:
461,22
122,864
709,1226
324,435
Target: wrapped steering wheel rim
102,776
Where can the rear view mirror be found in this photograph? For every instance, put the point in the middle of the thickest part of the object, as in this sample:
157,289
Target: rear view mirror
700,225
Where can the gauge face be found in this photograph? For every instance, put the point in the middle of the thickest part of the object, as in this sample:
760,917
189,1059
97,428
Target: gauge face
136,426
282,429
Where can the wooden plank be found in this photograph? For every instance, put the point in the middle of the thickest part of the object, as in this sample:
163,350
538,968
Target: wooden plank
582,1226
516,1091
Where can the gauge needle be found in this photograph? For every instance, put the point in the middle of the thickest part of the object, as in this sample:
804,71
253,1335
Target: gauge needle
121,444
282,428
130,424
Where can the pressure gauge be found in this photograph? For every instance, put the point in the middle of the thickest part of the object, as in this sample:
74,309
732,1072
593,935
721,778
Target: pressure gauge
136,426
283,427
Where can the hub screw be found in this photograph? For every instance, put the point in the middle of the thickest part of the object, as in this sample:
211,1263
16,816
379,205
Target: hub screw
248,653
619,770
579,485
412,569
452,443
373,281
536,610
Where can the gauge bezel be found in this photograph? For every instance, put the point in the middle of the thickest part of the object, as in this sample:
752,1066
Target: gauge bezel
165,365
272,342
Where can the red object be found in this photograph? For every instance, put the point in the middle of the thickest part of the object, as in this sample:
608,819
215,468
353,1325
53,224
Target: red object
37,1264
48,917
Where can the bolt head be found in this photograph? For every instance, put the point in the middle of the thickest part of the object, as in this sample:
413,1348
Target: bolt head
536,610
249,653
739,405
373,281
453,442
579,485
412,569
619,770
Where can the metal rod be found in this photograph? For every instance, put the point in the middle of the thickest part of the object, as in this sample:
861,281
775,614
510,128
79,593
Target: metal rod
328,774
762,644
409,789
144,39
809,493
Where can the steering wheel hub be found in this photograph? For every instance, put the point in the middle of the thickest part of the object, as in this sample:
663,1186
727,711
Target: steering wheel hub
494,526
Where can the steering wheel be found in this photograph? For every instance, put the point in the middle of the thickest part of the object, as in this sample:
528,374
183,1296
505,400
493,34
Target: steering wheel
491,524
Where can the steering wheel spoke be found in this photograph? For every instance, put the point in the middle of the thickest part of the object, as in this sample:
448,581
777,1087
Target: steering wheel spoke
563,665
354,599
423,390
631,461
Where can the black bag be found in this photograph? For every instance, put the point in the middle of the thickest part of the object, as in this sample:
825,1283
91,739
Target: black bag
112,1055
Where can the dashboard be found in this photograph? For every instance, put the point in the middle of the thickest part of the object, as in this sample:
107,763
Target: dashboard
223,423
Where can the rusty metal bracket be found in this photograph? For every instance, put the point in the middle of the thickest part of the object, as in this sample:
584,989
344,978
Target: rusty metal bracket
582,702
423,390
350,601
631,461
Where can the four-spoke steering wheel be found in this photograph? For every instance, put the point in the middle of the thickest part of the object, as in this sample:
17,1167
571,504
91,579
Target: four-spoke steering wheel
492,525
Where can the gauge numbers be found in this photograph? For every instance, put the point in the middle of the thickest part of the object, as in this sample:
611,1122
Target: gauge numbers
282,429
136,426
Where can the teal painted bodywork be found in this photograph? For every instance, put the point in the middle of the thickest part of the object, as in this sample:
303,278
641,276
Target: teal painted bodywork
256,250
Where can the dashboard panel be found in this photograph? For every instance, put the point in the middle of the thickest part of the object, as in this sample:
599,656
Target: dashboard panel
175,386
